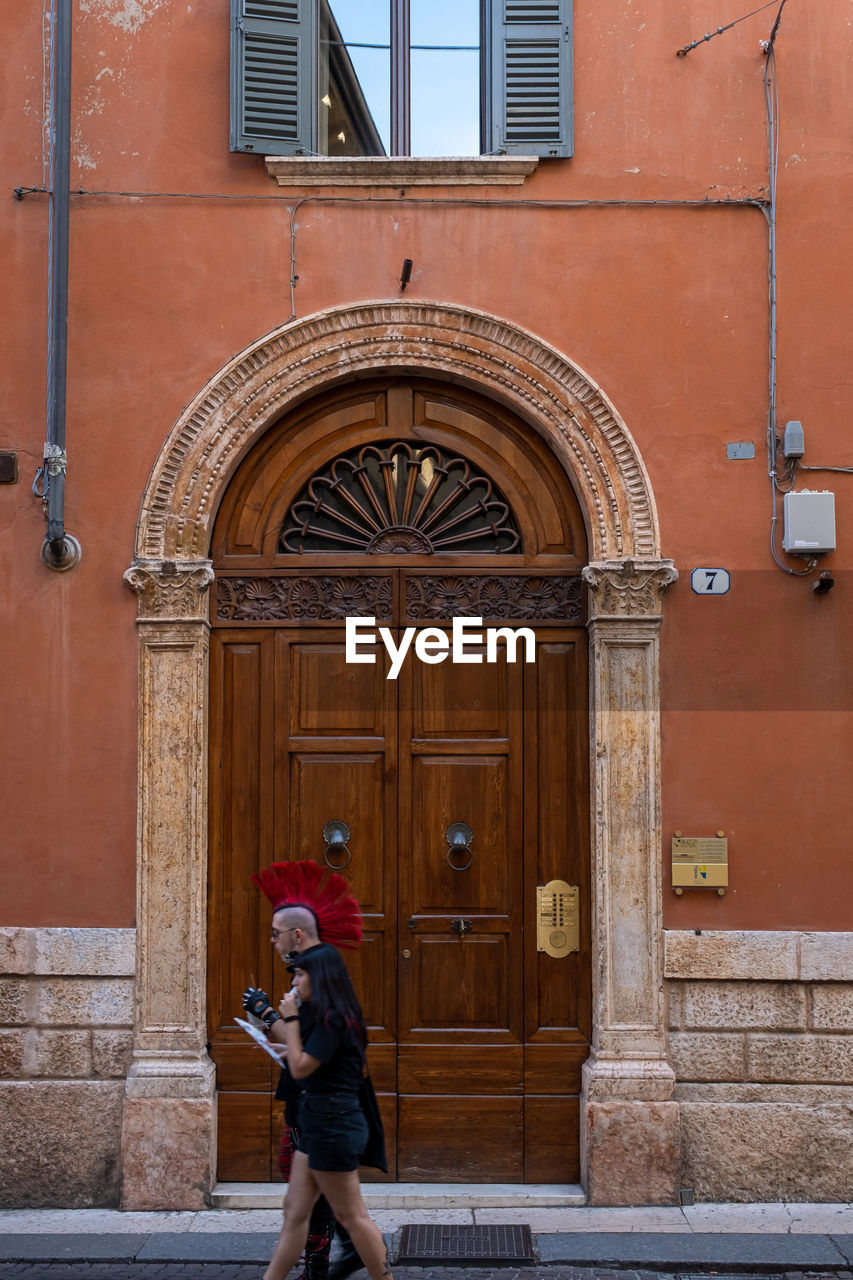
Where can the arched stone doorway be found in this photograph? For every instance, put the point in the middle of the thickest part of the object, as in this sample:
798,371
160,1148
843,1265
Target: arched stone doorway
413,502
629,1125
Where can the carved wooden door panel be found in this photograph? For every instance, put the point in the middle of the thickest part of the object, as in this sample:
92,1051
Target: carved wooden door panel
299,738
477,1038
492,1031
242,820
337,759
558,994
460,1027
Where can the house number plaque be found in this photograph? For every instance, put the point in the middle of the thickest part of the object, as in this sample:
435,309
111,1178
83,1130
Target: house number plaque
557,919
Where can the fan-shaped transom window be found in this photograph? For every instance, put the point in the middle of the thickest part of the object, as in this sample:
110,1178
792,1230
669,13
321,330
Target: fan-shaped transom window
403,498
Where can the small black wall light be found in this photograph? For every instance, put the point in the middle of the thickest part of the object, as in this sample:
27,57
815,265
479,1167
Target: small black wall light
406,274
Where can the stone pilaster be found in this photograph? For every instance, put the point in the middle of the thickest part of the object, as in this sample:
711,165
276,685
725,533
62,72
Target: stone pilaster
630,1132
168,1130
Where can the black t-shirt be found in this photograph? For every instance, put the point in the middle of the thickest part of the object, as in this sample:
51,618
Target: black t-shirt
339,1051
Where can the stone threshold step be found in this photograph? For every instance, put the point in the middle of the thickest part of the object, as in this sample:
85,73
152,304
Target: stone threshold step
414,1195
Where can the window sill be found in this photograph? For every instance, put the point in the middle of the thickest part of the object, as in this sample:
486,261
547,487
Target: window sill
394,171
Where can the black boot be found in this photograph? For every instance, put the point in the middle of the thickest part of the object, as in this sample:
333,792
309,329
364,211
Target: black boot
316,1266
320,1232
348,1259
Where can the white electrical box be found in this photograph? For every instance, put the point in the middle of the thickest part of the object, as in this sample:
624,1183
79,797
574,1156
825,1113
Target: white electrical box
793,443
809,522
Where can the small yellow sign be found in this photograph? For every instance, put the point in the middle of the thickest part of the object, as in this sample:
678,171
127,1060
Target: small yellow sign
700,849
700,862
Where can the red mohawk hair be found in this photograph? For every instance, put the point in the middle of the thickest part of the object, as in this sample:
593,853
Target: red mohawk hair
297,884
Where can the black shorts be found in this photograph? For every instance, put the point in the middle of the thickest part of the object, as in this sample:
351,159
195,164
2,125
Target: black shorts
332,1131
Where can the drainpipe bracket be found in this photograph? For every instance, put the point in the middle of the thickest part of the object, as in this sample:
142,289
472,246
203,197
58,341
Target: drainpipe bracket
56,459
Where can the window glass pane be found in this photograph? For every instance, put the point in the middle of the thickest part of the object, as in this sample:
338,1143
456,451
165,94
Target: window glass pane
445,70
355,78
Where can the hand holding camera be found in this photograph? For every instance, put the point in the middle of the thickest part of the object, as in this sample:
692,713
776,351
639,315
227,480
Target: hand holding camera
257,1005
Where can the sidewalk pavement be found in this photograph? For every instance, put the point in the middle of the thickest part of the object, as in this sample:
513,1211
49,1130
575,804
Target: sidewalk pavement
707,1238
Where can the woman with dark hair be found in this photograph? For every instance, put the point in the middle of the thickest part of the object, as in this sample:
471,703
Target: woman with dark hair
325,1035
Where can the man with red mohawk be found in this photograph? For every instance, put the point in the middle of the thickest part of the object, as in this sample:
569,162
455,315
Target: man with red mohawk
336,914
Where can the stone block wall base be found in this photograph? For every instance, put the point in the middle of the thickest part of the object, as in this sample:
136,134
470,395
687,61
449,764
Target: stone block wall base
632,1152
768,1151
168,1153
59,1141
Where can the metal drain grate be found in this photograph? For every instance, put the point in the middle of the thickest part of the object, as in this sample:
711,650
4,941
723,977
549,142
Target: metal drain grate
436,1243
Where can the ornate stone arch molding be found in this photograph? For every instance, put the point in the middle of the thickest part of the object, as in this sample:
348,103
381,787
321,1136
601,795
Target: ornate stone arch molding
630,1124
261,383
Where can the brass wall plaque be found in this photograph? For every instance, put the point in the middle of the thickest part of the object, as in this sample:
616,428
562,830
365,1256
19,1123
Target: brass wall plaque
557,918
700,862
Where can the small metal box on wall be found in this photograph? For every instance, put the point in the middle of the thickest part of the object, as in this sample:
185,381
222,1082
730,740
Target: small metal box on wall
700,862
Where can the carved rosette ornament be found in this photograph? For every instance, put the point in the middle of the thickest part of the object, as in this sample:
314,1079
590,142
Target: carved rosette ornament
170,590
628,588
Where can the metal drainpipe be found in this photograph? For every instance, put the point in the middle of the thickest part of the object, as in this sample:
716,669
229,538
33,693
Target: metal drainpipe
60,551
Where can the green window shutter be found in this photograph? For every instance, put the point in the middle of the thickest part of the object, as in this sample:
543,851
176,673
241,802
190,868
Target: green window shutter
530,77
272,75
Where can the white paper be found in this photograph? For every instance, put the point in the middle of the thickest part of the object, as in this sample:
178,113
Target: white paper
260,1038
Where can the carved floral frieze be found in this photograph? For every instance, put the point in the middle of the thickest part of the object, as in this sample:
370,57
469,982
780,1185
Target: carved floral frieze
320,598
534,598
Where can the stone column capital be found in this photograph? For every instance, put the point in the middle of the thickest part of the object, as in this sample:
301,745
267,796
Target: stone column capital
171,590
628,588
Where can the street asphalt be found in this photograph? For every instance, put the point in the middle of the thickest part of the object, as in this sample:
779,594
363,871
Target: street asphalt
114,1270
579,1255
702,1242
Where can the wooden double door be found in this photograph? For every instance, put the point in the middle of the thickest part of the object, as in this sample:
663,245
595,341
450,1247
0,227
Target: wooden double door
477,1036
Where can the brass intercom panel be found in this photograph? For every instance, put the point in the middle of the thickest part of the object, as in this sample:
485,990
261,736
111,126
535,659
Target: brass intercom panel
557,918
700,862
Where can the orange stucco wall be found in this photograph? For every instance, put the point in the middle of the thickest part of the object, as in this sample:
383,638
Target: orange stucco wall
665,308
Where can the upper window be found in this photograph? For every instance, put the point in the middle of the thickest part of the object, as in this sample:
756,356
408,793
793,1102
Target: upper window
401,77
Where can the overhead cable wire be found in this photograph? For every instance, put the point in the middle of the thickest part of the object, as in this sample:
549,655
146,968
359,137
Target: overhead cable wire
682,53
803,467
758,202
